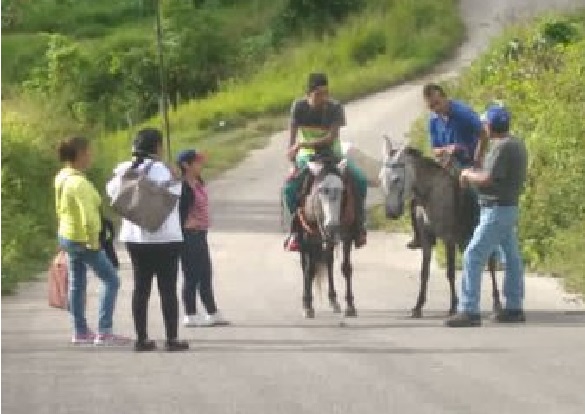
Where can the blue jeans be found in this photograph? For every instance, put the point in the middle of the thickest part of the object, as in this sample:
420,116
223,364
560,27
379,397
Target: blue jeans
497,226
79,259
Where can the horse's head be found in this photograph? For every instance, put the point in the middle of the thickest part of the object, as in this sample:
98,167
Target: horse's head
326,197
396,179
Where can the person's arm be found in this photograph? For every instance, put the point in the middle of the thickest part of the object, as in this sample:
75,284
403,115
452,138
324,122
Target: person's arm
91,222
326,141
436,145
293,146
481,148
496,172
477,178
475,139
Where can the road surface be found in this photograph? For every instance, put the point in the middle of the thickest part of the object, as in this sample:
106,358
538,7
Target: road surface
271,360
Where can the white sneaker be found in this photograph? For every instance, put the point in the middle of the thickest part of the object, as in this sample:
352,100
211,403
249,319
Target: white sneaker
191,320
216,319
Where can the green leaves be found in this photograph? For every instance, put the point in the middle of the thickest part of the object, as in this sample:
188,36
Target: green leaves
537,72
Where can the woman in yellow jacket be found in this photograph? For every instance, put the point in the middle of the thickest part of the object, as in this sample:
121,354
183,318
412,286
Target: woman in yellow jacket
78,213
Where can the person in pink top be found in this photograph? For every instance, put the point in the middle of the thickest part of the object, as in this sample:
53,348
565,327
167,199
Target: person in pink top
195,256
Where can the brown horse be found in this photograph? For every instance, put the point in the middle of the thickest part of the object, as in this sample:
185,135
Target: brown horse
444,211
327,218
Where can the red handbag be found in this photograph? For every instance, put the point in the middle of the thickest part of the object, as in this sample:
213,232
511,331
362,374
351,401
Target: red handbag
59,282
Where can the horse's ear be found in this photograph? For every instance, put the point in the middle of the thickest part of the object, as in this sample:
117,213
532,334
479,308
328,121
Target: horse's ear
387,150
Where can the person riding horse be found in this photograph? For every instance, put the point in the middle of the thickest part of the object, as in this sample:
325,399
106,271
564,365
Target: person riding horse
458,138
317,120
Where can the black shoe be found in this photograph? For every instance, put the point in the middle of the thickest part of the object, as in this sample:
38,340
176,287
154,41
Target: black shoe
145,345
463,320
174,345
413,244
510,316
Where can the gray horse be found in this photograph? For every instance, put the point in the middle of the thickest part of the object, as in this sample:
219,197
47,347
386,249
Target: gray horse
444,211
327,217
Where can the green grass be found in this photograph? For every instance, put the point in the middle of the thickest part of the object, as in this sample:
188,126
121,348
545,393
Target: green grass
366,54
552,214
363,55
377,221
567,258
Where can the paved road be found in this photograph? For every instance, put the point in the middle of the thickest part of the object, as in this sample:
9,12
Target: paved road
273,361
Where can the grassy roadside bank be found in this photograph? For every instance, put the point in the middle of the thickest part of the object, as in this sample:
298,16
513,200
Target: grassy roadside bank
537,71
364,54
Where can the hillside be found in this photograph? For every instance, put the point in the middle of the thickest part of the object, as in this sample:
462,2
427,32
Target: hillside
91,67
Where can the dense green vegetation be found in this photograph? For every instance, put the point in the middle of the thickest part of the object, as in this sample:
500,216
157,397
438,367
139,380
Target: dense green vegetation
90,66
538,72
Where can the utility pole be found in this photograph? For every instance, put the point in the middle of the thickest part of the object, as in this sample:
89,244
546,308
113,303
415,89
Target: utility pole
163,89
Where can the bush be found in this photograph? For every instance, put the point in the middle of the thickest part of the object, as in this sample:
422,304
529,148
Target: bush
29,162
543,84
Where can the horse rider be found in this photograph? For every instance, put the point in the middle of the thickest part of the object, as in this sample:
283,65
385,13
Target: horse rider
314,130
458,138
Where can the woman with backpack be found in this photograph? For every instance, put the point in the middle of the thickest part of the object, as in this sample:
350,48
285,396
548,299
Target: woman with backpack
152,252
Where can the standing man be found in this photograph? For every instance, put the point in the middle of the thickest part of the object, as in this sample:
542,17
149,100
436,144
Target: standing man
314,129
500,184
457,136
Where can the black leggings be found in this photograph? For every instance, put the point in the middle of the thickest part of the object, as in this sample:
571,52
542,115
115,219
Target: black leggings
196,264
160,259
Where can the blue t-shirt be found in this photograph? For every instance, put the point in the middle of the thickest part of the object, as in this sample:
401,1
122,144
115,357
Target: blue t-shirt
461,127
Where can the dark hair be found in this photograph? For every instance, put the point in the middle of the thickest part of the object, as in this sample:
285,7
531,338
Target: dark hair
187,156
145,145
500,128
429,88
316,80
70,149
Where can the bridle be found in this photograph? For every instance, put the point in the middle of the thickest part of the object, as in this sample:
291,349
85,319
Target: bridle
320,229
393,165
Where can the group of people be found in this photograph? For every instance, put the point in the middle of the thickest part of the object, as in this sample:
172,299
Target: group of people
182,237
459,140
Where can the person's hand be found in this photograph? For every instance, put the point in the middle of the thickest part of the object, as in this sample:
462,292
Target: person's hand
451,149
292,152
463,178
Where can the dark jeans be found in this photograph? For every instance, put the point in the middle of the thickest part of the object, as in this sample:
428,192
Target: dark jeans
162,260
196,264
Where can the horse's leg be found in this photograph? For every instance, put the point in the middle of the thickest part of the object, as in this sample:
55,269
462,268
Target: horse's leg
427,249
332,294
450,248
347,271
497,306
308,274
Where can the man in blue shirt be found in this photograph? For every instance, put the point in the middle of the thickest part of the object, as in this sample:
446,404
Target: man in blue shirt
457,136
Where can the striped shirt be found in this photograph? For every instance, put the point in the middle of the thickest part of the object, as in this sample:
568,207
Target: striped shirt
198,218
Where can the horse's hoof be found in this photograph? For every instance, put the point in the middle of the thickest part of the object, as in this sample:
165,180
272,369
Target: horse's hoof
497,308
336,308
416,313
309,313
350,312
452,311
